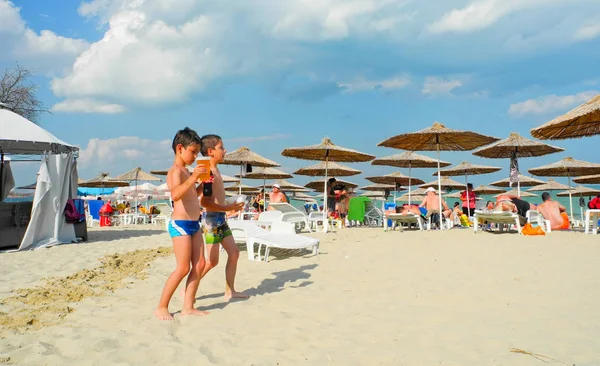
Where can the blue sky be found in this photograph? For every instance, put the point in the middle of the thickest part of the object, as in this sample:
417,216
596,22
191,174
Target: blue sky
121,76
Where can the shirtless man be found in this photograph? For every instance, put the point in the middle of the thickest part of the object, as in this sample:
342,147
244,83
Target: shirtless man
555,212
431,202
214,224
184,228
277,196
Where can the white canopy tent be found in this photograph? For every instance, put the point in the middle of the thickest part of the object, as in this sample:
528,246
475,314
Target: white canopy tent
56,183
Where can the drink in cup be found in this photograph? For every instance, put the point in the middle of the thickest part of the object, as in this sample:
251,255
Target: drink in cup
205,162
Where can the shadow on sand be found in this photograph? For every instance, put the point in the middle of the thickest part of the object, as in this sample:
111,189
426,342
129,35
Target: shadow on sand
268,285
109,235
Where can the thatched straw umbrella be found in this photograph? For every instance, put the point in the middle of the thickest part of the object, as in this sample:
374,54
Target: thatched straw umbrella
513,148
443,182
244,157
136,175
582,121
524,181
397,179
588,179
318,185
550,185
438,138
514,192
241,188
265,173
467,169
567,167
290,187
326,152
409,159
405,197
103,180
487,190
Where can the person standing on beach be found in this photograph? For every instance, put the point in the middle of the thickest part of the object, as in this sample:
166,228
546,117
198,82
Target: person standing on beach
184,227
214,224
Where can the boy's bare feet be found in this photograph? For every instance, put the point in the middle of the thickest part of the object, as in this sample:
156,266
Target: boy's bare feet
163,314
235,295
194,312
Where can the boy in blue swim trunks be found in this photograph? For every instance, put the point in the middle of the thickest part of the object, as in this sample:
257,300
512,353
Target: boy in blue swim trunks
184,227
214,224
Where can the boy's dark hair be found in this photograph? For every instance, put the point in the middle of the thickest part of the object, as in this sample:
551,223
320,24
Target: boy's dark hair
545,196
185,137
456,204
209,142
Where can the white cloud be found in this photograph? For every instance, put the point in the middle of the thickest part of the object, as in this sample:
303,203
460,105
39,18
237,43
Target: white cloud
120,154
87,106
361,84
45,52
481,14
588,31
550,103
439,86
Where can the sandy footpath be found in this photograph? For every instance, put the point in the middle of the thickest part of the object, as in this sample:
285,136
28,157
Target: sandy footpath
412,298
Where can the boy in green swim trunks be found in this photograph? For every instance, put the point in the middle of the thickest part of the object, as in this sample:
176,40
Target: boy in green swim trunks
214,224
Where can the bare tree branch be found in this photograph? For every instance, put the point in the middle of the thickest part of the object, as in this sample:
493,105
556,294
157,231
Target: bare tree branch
17,91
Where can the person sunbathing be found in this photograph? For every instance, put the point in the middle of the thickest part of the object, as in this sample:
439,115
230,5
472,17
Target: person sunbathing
511,203
405,210
555,212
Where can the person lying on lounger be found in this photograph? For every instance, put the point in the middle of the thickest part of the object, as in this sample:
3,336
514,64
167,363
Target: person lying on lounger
511,203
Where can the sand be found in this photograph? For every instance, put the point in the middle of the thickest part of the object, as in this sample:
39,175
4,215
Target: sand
370,297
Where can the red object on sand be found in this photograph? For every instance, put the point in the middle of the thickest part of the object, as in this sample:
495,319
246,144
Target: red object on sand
105,213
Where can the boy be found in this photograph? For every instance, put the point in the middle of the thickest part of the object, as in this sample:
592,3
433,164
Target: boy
214,224
184,227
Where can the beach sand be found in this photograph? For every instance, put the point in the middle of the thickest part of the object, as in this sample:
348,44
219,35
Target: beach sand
370,297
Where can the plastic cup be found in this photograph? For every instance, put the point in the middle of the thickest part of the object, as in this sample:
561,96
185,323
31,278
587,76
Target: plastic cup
205,162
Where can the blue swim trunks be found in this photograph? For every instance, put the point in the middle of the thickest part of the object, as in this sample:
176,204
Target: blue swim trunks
183,227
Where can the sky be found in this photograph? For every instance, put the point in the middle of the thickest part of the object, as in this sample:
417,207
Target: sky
120,77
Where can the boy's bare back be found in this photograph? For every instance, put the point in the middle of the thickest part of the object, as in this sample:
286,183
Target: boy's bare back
188,207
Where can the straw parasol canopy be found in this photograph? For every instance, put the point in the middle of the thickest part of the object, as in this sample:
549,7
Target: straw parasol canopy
445,182
266,173
244,155
409,159
325,169
514,192
318,185
395,178
242,188
487,190
374,194
517,146
580,191
524,181
327,150
135,175
582,121
550,185
567,167
226,178
378,187
466,168
103,180
290,187
588,179
414,197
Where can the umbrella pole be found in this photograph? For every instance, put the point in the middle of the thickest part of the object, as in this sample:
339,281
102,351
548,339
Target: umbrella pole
468,202
439,183
570,199
409,182
325,223
241,172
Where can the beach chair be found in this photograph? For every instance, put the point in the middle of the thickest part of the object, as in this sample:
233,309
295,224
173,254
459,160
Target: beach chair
501,218
409,218
373,214
292,214
314,218
165,214
535,217
282,235
591,221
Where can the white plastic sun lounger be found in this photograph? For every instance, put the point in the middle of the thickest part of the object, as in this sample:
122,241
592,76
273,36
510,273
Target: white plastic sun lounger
291,214
409,218
282,235
503,217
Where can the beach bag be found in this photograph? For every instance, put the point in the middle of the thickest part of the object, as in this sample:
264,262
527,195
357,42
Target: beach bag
71,214
464,221
528,229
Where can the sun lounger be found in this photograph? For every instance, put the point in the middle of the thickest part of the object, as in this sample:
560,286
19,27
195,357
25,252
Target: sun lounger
373,215
165,214
534,217
503,217
291,214
409,218
282,235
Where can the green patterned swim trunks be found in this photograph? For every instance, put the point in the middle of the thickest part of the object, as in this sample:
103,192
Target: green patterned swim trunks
214,227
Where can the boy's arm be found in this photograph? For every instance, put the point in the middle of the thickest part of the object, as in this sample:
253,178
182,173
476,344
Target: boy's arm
178,184
199,189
